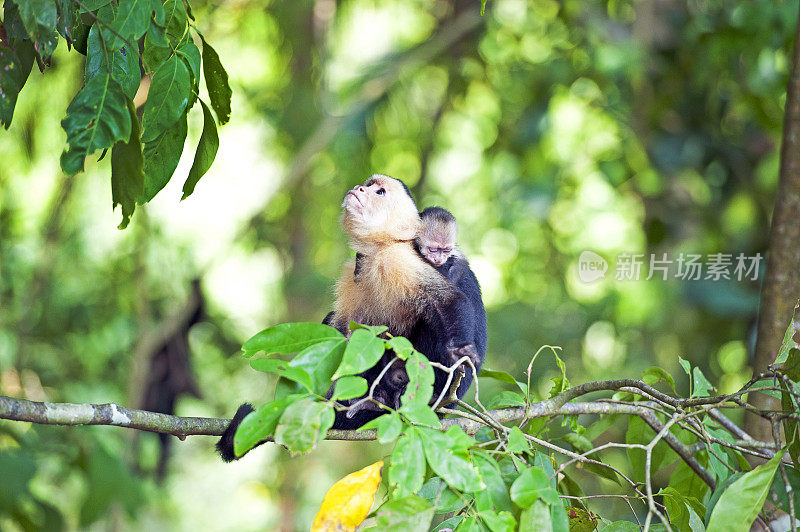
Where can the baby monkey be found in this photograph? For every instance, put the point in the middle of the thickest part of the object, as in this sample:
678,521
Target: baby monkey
437,245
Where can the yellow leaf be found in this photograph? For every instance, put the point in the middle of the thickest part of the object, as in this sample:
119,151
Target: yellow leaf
348,501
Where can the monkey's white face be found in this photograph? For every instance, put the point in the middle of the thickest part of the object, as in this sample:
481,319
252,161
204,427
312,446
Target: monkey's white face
367,203
380,209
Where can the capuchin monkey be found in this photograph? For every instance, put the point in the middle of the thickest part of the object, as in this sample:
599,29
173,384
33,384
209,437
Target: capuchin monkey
398,288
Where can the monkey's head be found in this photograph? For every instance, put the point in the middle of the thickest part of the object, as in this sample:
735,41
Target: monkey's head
438,236
380,211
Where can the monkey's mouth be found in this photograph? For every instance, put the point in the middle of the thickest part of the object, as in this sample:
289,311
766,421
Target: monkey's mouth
352,194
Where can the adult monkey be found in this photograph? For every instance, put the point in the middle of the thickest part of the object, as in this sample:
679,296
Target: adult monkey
398,288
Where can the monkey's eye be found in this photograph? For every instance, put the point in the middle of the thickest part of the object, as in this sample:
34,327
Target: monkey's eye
433,250
380,192
447,250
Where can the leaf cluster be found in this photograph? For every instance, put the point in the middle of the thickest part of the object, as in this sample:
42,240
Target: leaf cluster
507,477
130,47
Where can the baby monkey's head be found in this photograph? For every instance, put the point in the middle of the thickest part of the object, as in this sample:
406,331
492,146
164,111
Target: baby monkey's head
438,238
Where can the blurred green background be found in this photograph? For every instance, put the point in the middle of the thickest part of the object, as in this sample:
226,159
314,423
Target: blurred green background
547,128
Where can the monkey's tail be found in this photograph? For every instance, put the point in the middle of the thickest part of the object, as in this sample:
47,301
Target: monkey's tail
225,443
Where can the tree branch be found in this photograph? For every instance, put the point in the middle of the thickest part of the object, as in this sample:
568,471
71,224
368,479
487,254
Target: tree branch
560,405
108,414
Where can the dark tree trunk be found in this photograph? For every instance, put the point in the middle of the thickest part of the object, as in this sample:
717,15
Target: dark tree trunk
782,280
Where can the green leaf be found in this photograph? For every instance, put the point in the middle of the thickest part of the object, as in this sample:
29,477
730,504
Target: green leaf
407,469
640,433
216,83
409,513
175,20
389,427
156,50
543,462
362,352
687,482
558,518
401,346
654,375
131,21
532,485
282,368
419,390
791,368
127,176
158,45
496,490
166,102
443,498
791,338
517,443
718,491
93,5
500,376
559,383
39,18
15,72
791,429
290,338
260,424
320,360
700,385
581,520
159,15
498,521
687,367
188,51
205,154
303,425
470,524
457,439
778,492
505,399
67,17
536,518
122,64
739,505
679,509
349,387
456,471
374,330
622,526
96,118
449,524
161,158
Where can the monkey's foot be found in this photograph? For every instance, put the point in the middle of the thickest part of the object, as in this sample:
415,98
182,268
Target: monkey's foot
468,350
